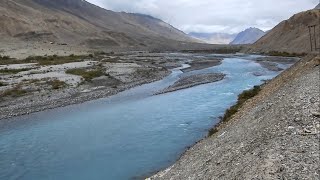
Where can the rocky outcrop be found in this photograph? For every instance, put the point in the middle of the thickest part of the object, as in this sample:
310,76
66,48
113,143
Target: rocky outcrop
275,135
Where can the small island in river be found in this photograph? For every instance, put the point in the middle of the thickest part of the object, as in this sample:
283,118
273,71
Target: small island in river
193,80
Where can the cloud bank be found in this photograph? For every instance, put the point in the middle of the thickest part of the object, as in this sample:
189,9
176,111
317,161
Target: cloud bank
230,16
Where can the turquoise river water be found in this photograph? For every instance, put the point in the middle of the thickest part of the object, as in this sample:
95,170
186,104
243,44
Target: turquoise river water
126,136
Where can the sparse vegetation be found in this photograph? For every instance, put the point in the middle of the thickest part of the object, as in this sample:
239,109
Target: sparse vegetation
13,71
88,75
285,54
2,84
242,98
16,91
53,60
44,60
57,84
4,58
225,50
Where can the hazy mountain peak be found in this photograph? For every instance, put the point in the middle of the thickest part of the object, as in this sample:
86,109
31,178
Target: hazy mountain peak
248,36
317,7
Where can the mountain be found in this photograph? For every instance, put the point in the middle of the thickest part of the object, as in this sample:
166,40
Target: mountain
248,36
214,38
291,35
317,7
79,22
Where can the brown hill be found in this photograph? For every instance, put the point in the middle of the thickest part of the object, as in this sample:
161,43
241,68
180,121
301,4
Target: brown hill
78,22
291,35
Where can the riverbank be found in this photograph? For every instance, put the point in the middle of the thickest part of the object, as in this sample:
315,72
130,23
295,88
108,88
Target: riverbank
271,62
39,83
274,135
193,80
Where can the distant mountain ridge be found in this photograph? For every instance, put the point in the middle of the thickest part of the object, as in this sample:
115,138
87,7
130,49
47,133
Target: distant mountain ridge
317,7
248,36
82,23
214,38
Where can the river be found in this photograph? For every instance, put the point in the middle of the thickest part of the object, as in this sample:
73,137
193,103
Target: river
126,136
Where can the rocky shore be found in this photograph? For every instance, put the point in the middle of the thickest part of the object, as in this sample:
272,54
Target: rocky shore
271,62
275,135
40,102
202,64
193,80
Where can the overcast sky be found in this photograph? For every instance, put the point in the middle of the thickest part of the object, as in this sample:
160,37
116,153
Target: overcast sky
229,16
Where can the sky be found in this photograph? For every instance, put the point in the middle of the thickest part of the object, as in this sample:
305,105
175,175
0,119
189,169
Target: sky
207,16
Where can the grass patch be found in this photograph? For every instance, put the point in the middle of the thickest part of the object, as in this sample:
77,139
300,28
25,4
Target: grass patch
53,60
285,54
88,75
2,84
4,57
13,71
224,50
57,84
242,98
14,92
44,60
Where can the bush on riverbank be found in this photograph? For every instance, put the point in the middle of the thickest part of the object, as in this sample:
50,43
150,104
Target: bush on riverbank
13,71
2,84
285,54
44,60
242,98
57,84
14,92
88,75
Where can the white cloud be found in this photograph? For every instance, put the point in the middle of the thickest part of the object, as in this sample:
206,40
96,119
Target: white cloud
213,15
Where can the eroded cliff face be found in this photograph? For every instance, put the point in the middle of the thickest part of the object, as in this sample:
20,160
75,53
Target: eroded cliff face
275,135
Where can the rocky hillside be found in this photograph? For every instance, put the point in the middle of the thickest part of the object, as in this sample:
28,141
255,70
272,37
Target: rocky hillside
81,23
291,35
214,38
275,135
248,36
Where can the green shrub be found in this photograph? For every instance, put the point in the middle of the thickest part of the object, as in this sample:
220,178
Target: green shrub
242,98
13,71
88,75
224,50
285,54
57,84
14,92
2,84
4,57
53,60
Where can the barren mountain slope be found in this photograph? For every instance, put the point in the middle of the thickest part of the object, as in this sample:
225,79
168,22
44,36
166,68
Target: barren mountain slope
79,22
291,35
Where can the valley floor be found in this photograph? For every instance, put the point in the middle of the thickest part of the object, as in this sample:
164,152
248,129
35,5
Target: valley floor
46,82
275,135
